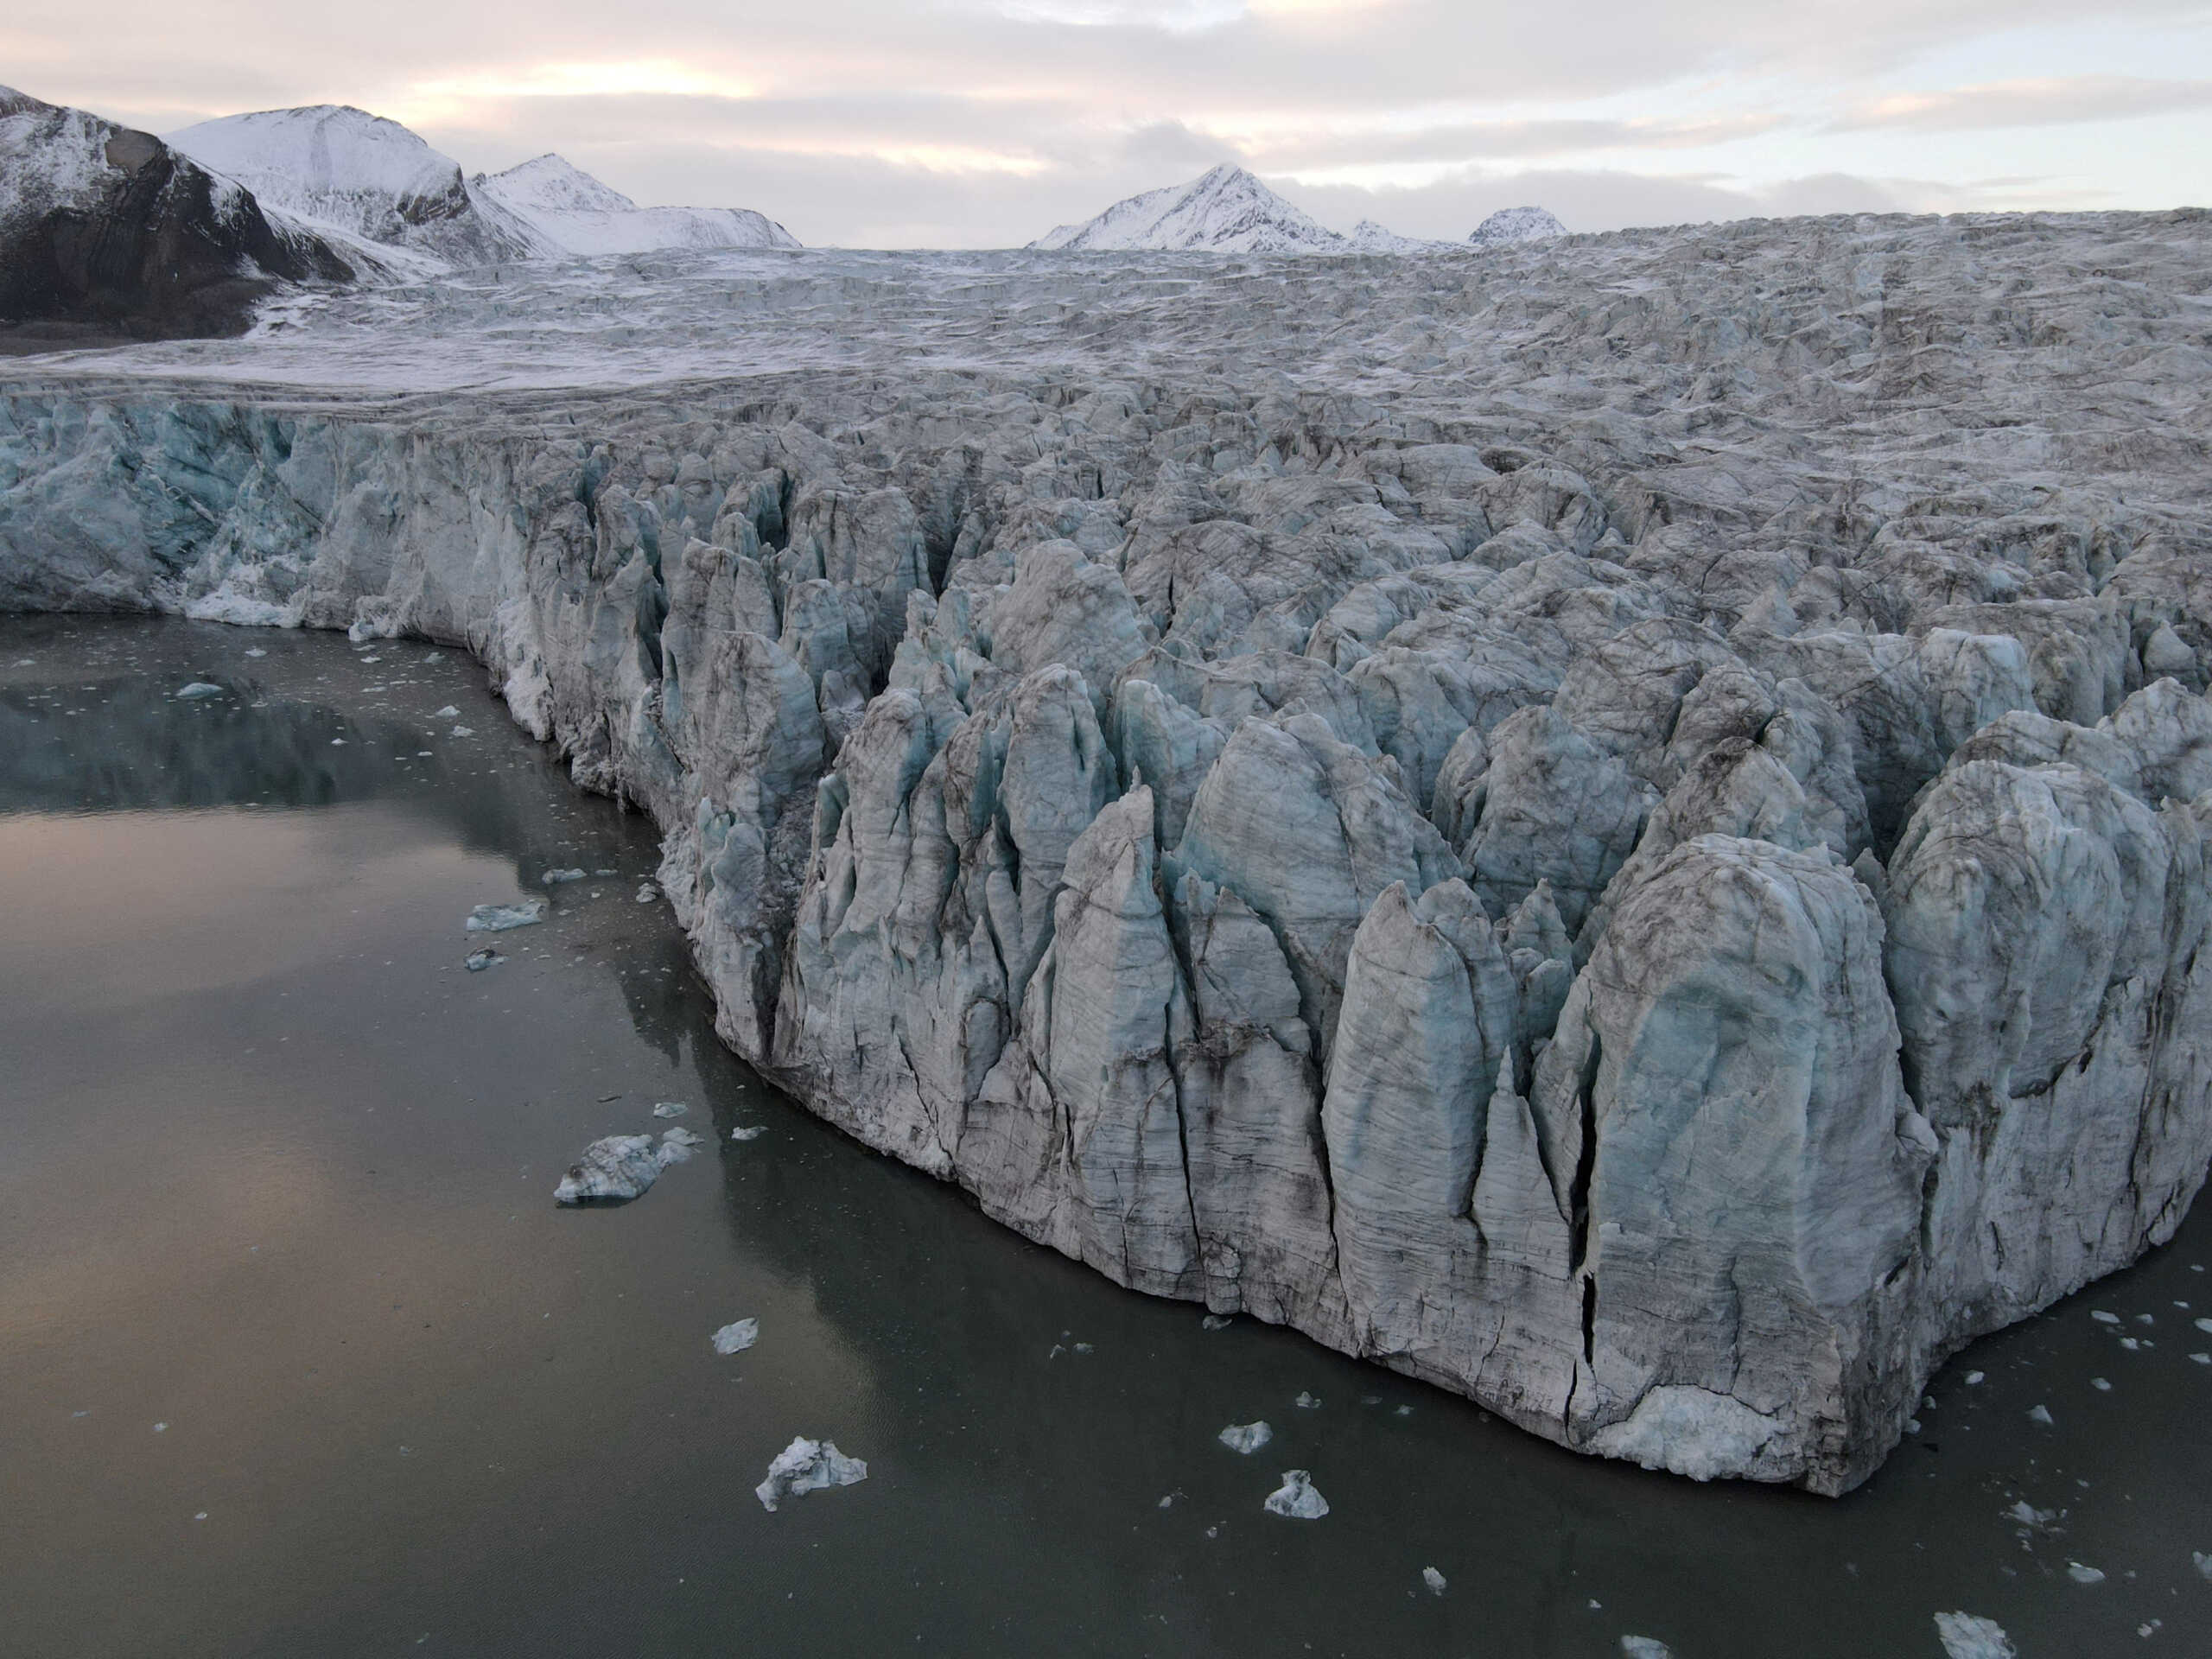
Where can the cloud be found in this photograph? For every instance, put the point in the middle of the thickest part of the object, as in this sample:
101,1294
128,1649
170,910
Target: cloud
2030,103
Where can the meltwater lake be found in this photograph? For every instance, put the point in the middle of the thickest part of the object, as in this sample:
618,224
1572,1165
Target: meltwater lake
298,1357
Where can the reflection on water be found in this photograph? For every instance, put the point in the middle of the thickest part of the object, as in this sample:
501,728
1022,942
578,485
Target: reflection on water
277,1179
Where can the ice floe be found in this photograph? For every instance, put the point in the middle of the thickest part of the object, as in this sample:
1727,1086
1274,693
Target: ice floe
806,1466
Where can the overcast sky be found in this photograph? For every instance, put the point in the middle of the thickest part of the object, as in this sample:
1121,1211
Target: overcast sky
985,122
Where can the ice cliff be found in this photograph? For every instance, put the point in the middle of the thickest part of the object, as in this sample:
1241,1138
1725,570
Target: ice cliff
1624,835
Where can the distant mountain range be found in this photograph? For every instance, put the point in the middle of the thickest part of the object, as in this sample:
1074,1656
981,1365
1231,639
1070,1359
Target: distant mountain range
1228,211
343,170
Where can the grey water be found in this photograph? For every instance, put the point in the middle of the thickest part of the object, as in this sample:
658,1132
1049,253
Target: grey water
298,1357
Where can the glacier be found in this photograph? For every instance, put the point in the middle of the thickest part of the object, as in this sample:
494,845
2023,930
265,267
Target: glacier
1624,833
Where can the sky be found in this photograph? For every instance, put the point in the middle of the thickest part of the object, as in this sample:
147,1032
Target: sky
986,123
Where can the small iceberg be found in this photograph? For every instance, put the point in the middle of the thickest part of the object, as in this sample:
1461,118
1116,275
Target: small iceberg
648,893
748,1131
806,1466
1434,1579
477,961
499,918
677,1146
1966,1635
1645,1647
554,878
199,691
669,1108
446,713
2082,1574
736,1337
611,1171
1296,1498
1246,1438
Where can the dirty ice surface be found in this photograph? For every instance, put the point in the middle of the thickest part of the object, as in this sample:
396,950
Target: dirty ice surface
278,1177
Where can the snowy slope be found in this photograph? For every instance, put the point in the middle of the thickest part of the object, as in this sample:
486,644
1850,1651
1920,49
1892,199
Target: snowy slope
1228,211
330,164
575,213
1510,225
1368,236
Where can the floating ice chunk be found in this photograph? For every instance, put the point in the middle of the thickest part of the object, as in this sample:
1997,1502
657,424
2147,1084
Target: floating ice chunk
1434,1580
1974,1379
806,1466
2204,1563
1307,1403
2103,1318
1246,1438
1296,1498
2201,1359
255,650
603,872
199,691
2131,1344
2204,1326
477,961
446,713
2040,1415
736,1337
611,1171
499,918
464,731
676,1146
554,878
1645,1647
748,1131
1216,1322
1965,1636
648,893
2082,1574
2100,1385
1168,1501
669,1108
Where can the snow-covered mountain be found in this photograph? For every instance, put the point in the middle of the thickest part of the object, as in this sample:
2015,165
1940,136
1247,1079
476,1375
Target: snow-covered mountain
1368,236
104,228
330,165
1510,225
569,208
1228,211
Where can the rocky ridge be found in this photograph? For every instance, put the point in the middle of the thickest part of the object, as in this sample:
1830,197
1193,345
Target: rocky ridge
1628,839
105,231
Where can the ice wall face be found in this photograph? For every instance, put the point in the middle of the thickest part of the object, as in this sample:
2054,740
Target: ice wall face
1660,886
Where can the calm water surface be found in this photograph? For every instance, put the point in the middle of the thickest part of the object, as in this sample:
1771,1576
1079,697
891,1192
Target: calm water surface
297,1356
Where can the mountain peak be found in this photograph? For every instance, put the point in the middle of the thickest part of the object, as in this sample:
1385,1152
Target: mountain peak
1225,210
1512,224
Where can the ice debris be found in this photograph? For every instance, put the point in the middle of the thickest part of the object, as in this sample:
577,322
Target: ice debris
2082,1574
499,918
806,1466
1966,1635
676,1146
1434,1580
2204,1563
446,713
198,691
2040,1415
1296,1498
554,878
736,1337
747,1132
1216,1322
464,731
1645,1647
647,894
611,1171
1246,1438
1307,1401
477,961
669,1108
